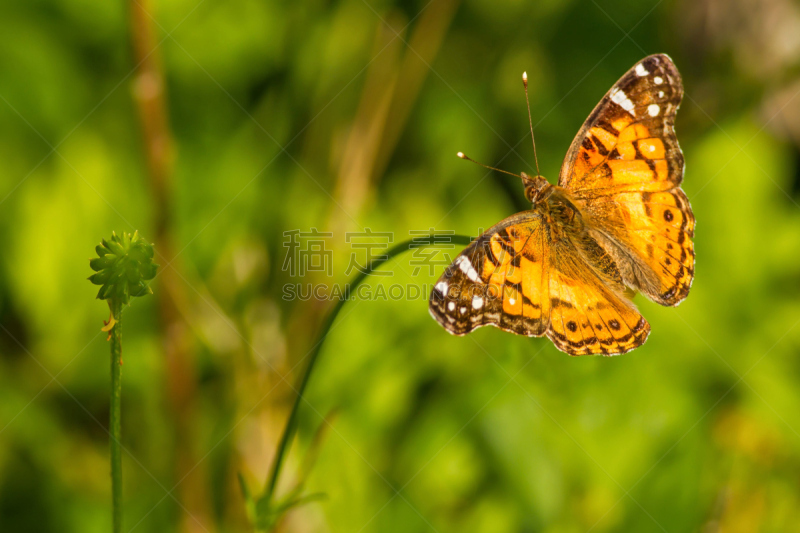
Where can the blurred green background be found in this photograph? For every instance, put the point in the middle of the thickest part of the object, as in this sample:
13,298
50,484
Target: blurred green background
214,127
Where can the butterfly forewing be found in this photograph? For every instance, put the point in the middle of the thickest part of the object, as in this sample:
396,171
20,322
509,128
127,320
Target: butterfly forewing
628,142
625,167
498,280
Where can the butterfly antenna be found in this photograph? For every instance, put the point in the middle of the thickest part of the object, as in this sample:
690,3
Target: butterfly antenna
463,156
535,158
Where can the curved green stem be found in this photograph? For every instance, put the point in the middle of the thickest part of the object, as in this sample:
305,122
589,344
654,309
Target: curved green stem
289,429
115,418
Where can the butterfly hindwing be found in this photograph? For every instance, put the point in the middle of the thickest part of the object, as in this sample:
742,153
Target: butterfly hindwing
587,316
655,230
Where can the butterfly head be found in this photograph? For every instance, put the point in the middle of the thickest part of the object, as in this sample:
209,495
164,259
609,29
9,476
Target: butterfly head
536,188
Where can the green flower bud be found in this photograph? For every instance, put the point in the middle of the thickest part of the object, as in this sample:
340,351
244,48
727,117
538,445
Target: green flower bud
123,265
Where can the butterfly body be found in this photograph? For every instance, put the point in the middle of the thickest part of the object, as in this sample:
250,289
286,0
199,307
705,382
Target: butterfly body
559,210
617,222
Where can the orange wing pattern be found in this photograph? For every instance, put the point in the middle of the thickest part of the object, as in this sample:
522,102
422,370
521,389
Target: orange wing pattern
500,280
628,143
515,278
617,219
655,230
586,315
625,167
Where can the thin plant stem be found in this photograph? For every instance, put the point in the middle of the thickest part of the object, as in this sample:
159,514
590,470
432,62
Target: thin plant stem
291,422
123,265
115,417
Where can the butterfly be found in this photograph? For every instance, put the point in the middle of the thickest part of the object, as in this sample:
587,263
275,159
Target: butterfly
616,223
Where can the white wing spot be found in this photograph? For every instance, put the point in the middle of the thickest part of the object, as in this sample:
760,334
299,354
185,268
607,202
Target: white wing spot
466,267
451,306
659,80
652,147
653,110
661,94
627,105
512,301
463,310
621,99
477,302
441,287
641,71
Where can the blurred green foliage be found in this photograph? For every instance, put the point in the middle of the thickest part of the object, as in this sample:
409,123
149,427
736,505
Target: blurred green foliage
346,115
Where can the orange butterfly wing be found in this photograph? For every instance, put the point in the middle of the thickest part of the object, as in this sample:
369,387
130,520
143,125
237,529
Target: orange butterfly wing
516,278
625,168
588,313
499,280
